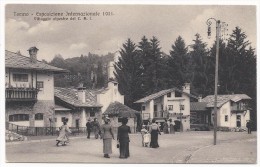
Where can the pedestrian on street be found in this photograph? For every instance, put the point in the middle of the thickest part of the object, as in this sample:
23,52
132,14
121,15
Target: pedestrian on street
172,131
64,129
123,139
96,128
165,127
107,135
89,126
154,130
249,126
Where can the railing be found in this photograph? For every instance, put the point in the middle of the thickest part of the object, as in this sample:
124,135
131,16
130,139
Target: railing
49,131
21,94
239,108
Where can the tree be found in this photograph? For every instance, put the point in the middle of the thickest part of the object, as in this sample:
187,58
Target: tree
178,63
201,67
100,75
127,73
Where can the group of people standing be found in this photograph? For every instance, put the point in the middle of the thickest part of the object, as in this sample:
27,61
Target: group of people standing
122,137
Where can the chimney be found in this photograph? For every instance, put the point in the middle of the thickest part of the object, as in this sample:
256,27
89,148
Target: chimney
199,98
186,88
81,93
33,54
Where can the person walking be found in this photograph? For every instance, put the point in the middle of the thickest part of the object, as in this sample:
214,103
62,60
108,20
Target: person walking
165,127
249,126
123,139
107,135
154,130
96,128
64,129
89,126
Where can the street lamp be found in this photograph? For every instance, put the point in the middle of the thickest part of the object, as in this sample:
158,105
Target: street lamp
218,29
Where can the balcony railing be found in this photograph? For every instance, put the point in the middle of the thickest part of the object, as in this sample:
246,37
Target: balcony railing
21,94
239,108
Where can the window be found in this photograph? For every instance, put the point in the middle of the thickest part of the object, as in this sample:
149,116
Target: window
143,108
18,117
20,77
169,94
226,118
92,113
39,84
170,107
181,107
178,94
39,116
155,107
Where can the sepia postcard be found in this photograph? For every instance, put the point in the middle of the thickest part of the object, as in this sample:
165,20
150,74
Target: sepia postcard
130,83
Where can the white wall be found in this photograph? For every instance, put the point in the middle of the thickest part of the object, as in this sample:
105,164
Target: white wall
59,115
109,96
47,92
21,123
39,123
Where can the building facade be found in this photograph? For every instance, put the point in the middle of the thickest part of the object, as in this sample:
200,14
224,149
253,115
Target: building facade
232,110
29,89
167,104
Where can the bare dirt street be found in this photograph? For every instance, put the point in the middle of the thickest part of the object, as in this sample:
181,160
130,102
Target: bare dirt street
186,147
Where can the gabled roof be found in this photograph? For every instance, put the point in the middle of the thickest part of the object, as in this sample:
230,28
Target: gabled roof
70,96
162,93
222,99
18,61
120,110
198,106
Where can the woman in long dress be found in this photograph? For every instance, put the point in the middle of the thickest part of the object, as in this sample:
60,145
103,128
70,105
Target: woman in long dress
123,138
107,135
64,129
154,130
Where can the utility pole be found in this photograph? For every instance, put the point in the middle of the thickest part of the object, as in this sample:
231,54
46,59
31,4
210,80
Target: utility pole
218,29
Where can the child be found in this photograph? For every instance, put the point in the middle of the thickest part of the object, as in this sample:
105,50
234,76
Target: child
145,136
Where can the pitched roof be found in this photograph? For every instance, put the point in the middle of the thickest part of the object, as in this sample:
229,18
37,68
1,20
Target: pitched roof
198,106
222,99
18,61
121,110
162,93
70,96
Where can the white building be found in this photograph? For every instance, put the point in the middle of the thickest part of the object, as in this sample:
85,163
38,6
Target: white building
168,104
78,105
232,110
29,89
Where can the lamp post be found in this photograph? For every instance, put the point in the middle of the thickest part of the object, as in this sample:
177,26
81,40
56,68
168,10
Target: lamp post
218,29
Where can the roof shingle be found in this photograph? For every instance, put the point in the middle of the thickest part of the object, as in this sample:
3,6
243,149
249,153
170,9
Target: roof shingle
222,99
18,61
198,106
121,110
162,93
70,96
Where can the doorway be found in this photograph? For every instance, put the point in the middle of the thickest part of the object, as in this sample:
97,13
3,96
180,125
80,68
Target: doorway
238,121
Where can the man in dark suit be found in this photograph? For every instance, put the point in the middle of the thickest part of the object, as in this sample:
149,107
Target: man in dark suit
88,125
123,138
249,126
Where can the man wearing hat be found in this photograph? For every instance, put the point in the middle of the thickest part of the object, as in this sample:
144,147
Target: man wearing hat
88,125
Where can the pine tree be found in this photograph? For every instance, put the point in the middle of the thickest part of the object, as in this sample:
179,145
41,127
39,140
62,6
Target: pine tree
201,66
178,63
127,72
100,75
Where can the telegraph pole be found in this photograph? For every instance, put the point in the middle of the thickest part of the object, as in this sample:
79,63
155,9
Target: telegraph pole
218,29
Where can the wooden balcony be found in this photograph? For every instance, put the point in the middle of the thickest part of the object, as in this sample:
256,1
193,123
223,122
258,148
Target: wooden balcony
239,108
21,94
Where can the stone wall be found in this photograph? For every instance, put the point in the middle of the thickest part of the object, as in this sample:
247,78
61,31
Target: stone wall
31,108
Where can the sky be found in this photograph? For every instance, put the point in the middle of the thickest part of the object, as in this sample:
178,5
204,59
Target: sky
105,34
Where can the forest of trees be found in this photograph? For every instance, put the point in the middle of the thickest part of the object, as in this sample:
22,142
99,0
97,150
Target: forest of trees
144,69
